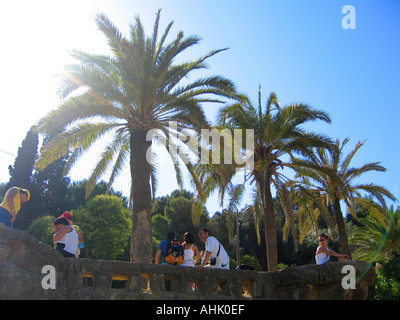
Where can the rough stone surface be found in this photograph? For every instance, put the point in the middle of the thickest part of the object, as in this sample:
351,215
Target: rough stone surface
22,258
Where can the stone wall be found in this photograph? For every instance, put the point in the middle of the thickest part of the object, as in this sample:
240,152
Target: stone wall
22,258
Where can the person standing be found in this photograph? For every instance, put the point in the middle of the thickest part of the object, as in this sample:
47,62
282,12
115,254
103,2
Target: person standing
215,253
12,204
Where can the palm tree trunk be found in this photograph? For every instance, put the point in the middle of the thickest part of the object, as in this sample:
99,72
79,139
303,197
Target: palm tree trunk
270,225
293,228
290,216
344,243
237,239
141,243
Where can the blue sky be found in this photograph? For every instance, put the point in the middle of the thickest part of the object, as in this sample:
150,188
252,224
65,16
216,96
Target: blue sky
296,48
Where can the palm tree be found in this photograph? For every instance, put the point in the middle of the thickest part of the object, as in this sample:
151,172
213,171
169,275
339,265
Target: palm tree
277,132
329,172
132,97
308,206
379,236
286,198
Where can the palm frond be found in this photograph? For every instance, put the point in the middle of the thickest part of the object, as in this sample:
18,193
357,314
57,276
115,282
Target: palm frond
79,138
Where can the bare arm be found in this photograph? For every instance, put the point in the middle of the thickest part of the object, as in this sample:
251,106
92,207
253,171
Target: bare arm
197,253
331,252
205,260
80,236
157,257
61,233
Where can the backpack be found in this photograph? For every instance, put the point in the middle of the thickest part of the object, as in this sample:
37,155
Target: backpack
175,253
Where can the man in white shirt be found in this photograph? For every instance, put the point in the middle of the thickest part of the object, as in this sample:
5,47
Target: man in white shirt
215,252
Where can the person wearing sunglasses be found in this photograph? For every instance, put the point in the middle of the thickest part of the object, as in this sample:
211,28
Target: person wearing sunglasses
215,253
325,254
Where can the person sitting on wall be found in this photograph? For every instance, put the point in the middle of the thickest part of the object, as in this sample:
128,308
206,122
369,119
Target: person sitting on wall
65,237
325,254
215,253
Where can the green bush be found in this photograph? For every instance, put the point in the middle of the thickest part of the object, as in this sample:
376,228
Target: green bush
388,285
105,225
42,229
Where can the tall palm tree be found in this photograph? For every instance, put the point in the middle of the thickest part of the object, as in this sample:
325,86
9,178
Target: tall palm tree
131,96
329,172
277,132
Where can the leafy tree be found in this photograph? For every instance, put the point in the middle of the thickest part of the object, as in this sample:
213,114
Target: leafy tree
218,226
178,210
76,199
3,190
277,132
48,188
42,229
21,173
132,96
250,234
175,212
161,225
105,225
49,191
388,285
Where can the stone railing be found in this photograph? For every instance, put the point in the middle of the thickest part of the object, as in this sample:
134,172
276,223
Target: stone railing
23,276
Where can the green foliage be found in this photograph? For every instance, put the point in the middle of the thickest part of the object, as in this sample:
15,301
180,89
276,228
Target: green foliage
178,210
155,244
174,213
161,226
3,190
105,226
20,173
251,261
328,173
132,96
41,229
49,190
76,193
278,132
379,235
388,286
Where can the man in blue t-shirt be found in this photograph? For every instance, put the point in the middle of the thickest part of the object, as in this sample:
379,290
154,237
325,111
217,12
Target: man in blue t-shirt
162,248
